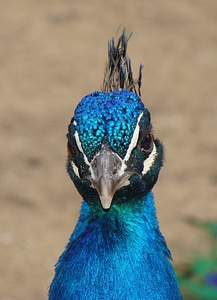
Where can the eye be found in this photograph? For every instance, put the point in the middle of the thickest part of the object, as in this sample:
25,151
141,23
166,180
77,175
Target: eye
72,151
147,142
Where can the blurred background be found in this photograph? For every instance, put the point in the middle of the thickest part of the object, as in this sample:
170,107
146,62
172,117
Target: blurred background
52,53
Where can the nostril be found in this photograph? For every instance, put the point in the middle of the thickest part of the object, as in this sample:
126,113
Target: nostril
114,171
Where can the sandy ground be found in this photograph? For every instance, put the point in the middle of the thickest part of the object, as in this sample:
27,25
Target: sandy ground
52,53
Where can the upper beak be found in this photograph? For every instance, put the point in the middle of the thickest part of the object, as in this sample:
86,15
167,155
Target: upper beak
108,175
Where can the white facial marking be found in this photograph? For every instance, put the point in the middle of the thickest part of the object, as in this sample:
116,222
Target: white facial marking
132,145
149,161
78,142
134,139
85,157
75,169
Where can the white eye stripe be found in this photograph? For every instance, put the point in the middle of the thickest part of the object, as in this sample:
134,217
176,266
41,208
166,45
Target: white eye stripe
149,160
134,139
75,169
132,145
78,142
82,151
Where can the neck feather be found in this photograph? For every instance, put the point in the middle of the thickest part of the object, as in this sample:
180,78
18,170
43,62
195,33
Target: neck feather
116,254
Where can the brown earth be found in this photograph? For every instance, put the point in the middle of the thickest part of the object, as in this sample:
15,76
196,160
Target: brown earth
52,53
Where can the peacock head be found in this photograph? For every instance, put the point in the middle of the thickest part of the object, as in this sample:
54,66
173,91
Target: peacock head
113,156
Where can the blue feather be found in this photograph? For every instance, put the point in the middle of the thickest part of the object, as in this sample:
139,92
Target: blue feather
119,254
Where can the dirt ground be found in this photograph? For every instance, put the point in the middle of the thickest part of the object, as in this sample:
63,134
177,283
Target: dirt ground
52,53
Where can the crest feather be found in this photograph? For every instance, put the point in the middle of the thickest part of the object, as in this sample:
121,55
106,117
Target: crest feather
118,72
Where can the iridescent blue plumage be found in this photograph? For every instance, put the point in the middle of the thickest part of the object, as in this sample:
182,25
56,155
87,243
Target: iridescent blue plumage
113,115
116,250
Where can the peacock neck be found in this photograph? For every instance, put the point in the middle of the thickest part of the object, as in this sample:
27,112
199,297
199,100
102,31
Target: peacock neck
116,254
123,225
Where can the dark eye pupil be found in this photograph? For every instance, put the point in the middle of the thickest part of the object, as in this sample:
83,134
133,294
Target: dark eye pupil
147,142
72,151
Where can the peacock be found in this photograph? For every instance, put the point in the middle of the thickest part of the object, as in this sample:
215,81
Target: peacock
116,251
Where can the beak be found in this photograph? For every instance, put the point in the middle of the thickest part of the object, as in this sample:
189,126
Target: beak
108,174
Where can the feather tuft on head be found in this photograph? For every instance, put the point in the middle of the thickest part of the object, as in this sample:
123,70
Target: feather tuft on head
118,72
